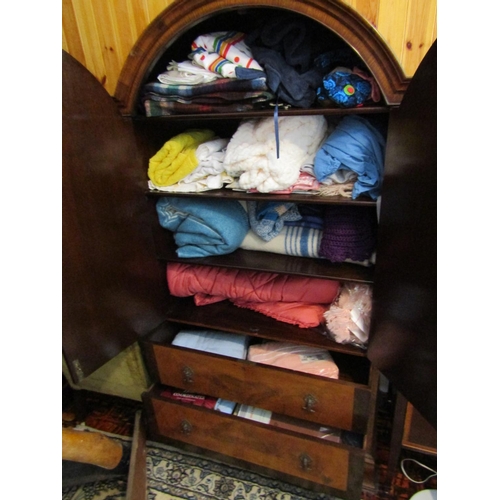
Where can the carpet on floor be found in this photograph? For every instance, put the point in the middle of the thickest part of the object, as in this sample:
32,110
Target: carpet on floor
175,474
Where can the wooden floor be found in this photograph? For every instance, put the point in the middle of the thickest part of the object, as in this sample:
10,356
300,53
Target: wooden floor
117,416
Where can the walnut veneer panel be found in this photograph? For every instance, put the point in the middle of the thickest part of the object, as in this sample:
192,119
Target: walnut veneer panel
335,466
319,399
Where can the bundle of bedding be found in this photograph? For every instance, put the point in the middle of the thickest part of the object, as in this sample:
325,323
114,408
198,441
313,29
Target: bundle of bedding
203,227
177,157
225,53
220,76
283,228
308,359
252,154
296,300
355,147
283,48
214,341
221,95
208,172
349,234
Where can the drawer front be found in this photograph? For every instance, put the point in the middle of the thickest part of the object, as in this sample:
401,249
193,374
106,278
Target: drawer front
322,400
335,466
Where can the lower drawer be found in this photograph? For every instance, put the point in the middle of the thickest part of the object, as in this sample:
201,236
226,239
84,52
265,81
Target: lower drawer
337,468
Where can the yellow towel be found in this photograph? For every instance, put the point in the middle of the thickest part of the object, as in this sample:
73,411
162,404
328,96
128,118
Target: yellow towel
177,157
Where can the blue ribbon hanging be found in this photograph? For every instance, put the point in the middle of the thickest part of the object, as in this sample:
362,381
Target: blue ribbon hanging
276,130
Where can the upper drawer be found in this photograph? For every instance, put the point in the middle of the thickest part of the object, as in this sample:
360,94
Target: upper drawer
335,466
337,403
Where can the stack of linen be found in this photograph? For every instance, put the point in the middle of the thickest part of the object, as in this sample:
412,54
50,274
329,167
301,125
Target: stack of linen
220,75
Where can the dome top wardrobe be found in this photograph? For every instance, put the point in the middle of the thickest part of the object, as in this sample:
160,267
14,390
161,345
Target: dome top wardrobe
115,254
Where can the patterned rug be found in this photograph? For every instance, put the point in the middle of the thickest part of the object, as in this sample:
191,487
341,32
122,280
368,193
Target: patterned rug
116,416
178,475
175,475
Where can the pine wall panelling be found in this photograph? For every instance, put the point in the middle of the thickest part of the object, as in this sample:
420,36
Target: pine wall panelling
101,33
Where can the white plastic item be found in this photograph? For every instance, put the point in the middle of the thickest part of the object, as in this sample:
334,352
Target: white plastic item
425,495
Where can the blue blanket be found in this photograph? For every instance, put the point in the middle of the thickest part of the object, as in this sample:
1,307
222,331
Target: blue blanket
268,218
203,227
354,145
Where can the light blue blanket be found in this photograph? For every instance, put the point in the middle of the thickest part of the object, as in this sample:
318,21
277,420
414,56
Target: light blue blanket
267,218
354,145
203,227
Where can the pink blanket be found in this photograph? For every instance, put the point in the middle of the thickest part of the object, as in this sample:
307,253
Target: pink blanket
292,299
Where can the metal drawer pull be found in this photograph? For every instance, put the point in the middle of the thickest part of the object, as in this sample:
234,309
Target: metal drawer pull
186,427
309,402
187,375
305,461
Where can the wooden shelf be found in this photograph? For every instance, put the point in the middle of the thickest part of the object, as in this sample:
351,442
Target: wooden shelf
265,261
266,112
229,194
227,317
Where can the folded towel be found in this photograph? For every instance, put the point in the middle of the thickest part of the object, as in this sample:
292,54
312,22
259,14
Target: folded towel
177,157
203,227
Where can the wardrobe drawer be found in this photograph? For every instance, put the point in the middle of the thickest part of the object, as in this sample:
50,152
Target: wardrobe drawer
331,402
331,465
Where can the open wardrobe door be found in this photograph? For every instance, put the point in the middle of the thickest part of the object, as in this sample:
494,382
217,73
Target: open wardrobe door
112,287
403,339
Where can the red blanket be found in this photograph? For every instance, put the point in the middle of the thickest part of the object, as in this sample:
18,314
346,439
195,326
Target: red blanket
292,299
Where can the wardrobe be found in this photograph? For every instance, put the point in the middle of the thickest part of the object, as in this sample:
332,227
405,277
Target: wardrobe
115,254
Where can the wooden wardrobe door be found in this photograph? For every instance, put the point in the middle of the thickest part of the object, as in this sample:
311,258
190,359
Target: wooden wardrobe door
113,288
403,340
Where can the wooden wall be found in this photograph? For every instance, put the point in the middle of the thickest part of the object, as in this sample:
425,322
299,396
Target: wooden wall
101,33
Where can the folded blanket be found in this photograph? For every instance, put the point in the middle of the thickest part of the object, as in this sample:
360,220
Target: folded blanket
222,51
185,280
214,341
203,227
186,72
267,218
204,183
177,157
300,241
305,184
282,47
349,233
354,145
166,108
294,313
296,300
220,85
226,97
252,154
302,358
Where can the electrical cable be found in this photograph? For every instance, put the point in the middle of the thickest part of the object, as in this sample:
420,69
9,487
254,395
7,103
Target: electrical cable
422,465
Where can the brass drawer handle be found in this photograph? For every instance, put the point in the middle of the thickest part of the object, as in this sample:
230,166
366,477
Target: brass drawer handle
186,427
309,402
305,462
187,375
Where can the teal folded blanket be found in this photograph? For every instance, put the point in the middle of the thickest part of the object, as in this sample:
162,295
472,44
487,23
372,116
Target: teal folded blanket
203,227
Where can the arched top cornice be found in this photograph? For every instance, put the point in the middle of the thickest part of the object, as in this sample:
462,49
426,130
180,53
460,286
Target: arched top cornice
182,15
